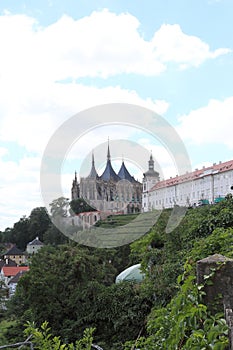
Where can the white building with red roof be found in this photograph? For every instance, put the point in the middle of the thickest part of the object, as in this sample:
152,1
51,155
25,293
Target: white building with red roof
8,272
209,184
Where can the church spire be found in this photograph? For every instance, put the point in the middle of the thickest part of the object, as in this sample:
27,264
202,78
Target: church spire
151,163
108,153
75,191
151,171
93,172
109,173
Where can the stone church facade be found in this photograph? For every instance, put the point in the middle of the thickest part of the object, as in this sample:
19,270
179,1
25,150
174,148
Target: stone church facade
109,192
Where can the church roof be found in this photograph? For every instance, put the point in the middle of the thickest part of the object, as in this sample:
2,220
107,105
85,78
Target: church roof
109,173
93,173
124,173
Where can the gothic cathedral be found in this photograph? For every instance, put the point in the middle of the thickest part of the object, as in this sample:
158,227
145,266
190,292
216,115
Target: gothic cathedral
110,192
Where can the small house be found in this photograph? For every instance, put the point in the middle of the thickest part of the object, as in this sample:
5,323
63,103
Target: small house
16,255
34,246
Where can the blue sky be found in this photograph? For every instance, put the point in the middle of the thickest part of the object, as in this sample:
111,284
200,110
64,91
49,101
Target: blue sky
60,57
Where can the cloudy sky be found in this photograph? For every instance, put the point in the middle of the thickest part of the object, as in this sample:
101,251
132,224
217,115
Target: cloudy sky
59,58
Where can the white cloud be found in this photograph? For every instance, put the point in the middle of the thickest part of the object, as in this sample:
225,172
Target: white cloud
19,190
100,45
209,124
34,104
32,120
170,44
33,59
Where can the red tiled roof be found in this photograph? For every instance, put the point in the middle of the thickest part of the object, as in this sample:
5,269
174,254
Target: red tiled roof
16,278
215,168
13,270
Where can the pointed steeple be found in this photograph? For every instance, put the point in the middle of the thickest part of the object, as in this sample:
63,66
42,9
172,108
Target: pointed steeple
75,187
151,171
109,173
93,173
124,173
108,153
151,163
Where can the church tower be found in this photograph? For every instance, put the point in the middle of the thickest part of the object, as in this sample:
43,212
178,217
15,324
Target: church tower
75,190
110,192
150,178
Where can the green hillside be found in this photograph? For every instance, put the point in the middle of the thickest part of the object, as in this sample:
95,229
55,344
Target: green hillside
116,220
73,286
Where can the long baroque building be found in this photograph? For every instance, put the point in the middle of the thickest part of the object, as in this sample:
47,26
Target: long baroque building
110,192
208,184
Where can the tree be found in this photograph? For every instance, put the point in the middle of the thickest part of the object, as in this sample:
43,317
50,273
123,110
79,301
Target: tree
54,236
20,233
54,289
27,228
43,339
39,223
73,288
80,205
59,207
185,323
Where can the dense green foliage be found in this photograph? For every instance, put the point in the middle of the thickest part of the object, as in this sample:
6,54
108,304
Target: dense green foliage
80,205
203,231
72,287
42,339
185,322
38,224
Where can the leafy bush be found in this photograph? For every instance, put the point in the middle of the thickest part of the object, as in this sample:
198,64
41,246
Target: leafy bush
185,323
42,339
